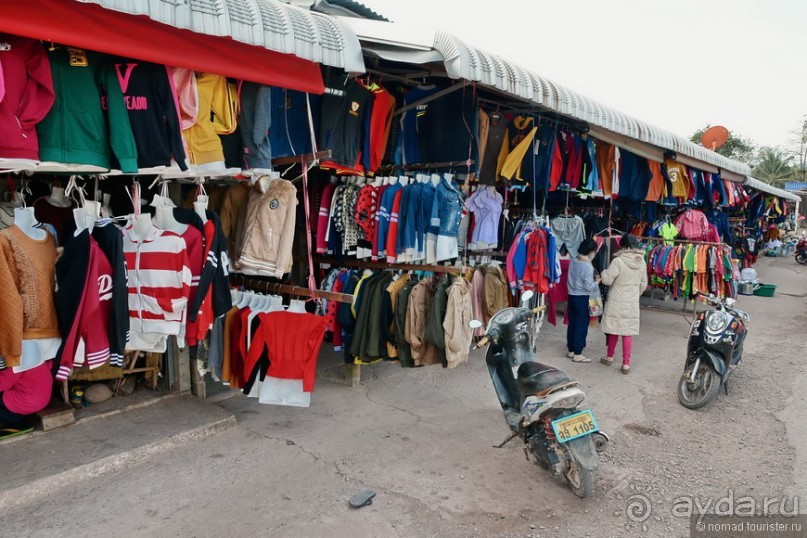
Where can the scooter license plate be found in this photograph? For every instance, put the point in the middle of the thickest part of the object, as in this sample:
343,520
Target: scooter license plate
574,426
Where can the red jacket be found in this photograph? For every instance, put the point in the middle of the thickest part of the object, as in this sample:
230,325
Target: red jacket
26,96
91,323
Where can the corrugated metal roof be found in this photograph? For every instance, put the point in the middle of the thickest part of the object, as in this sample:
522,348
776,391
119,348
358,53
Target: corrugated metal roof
468,62
264,23
769,189
796,185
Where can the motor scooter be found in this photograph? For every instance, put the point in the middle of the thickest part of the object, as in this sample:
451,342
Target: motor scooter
714,351
540,402
801,251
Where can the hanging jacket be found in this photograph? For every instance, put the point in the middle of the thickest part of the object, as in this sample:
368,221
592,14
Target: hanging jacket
159,281
458,333
152,113
417,312
91,322
255,120
435,334
218,113
26,96
89,115
401,308
269,229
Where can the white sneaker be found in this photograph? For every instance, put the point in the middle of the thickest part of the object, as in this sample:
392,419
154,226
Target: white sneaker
570,355
581,358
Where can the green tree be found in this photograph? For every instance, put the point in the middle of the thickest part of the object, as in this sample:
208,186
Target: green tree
736,147
774,166
798,146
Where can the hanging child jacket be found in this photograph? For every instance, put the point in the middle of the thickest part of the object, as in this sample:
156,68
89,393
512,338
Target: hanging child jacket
159,281
89,115
152,113
26,96
90,326
218,113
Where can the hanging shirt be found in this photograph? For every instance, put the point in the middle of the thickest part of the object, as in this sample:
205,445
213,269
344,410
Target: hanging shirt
218,113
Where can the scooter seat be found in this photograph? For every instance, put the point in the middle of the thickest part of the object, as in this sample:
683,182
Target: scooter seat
536,377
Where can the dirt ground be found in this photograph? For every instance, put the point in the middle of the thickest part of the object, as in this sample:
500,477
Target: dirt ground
423,440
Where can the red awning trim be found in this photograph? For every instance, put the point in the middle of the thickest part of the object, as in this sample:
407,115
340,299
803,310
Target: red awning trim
93,27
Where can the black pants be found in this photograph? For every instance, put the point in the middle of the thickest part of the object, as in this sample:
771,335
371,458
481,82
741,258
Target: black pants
9,418
577,331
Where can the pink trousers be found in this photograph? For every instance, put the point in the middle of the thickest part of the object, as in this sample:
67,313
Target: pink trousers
627,346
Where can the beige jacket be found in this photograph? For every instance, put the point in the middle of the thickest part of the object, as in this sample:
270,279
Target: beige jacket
417,312
268,232
456,323
627,280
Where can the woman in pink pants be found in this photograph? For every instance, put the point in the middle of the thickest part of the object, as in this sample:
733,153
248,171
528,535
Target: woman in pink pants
626,277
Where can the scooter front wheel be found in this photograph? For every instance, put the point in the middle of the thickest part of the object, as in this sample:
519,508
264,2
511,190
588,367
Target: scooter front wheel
580,480
698,388
801,257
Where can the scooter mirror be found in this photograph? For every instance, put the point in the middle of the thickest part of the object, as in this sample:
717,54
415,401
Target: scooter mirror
475,324
527,295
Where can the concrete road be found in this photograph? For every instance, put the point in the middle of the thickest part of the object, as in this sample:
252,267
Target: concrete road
423,440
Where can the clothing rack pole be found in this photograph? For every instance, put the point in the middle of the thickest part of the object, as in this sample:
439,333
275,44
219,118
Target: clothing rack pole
361,264
444,164
432,97
683,241
261,285
307,157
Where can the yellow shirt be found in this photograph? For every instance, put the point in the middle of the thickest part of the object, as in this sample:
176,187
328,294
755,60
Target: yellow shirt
218,113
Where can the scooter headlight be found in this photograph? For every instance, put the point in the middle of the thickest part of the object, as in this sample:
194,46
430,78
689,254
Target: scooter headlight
717,321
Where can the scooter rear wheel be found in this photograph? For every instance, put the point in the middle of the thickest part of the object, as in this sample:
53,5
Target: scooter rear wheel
580,480
801,257
696,395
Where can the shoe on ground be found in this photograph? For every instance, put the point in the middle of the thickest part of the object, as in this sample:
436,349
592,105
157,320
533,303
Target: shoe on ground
570,355
625,369
608,361
581,358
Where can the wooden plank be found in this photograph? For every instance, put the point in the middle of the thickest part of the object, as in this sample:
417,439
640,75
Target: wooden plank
56,417
352,375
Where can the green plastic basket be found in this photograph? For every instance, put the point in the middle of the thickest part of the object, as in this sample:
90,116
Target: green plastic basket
765,290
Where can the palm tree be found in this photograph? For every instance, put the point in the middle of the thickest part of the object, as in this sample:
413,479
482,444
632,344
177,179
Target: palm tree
773,166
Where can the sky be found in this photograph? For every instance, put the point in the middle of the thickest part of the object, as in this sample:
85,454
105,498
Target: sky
678,64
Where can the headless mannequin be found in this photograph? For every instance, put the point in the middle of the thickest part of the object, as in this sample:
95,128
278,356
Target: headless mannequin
86,216
393,180
404,181
141,224
435,179
25,220
57,198
200,207
296,305
164,219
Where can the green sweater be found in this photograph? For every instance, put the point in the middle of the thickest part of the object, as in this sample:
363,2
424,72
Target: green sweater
78,129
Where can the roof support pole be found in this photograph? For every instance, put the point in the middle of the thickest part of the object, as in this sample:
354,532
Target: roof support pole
432,97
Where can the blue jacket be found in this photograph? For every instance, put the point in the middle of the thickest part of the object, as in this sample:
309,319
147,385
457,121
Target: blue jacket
446,209
384,214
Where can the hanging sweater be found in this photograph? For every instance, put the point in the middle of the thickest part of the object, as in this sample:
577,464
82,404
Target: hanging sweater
26,96
27,280
89,116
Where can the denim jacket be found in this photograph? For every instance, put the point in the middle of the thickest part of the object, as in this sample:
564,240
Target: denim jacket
446,208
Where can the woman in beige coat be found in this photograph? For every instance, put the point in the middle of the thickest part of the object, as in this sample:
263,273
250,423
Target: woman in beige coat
627,280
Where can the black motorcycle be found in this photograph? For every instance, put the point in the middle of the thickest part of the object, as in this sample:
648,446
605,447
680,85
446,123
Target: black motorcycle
541,403
714,351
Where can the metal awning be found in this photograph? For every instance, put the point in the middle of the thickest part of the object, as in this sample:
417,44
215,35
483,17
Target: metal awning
265,23
770,189
464,61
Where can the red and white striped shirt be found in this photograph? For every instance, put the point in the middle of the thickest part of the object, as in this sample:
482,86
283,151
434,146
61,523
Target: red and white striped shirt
159,280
